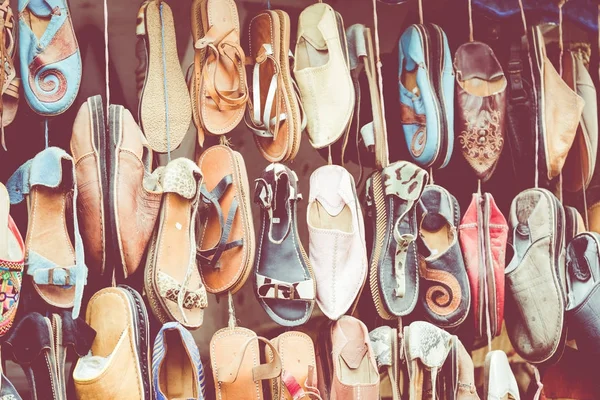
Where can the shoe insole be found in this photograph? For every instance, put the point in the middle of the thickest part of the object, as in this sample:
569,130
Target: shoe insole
176,375
108,313
48,236
321,219
438,241
37,24
297,354
365,373
4,231
409,81
483,88
307,55
173,256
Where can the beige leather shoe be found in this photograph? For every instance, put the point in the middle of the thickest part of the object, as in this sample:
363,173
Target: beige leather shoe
499,382
323,74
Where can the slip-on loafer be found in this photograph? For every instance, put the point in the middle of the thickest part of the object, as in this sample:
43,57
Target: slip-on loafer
177,371
444,285
499,382
118,364
483,234
480,107
49,55
346,363
457,376
535,277
384,341
426,83
394,272
583,291
286,291
322,72
337,247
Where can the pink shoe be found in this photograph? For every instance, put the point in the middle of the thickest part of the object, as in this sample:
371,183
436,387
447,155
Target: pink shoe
337,245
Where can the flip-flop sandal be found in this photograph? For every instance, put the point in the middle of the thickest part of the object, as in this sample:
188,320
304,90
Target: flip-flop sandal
9,83
12,263
172,281
164,111
235,358
220,88
298,367
226,238
274,113
285,291
55,264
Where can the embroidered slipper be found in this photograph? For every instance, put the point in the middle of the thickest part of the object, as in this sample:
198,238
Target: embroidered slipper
164,109
235,358
9,83
12,263
298,367
226,238
285,291
172,281
274,113
49,56
219,87
55,264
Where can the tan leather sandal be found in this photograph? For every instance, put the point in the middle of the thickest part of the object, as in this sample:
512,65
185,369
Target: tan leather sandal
274,112
235,357
219,87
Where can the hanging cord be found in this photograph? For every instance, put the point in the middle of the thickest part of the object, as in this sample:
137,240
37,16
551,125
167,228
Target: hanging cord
164,60
470,21
537,138
420,11
106,55
560,36
46,131
431,182
585,210
379,66
538,380
232,320
268,4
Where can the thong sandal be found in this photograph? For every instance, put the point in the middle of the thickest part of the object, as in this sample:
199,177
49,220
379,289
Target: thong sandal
172,281
164,108
219,87
274,113
9,99
226,241
55,265
234,357
298,367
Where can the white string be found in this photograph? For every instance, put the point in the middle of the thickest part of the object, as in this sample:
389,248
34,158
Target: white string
379,65
106,55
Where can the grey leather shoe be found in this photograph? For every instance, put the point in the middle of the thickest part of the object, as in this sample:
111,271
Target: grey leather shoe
286,290
535,278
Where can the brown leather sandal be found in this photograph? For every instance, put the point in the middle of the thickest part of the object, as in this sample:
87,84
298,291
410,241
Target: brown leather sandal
9,83
235,357
274,113
219,87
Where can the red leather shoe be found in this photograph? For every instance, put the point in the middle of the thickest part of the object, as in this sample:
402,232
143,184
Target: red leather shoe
483,233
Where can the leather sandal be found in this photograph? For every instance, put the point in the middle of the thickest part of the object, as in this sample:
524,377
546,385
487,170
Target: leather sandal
274,112
219,87
9,83
234,357
226,232
285,291
298,367
164,107
172,281
55,264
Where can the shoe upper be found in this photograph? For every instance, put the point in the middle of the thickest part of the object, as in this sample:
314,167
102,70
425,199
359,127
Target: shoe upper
534,310
426,95
446,296
51,64
500,380
323,75
337,245
135,191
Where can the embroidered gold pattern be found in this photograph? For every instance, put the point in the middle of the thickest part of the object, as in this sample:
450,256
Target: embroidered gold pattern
481,138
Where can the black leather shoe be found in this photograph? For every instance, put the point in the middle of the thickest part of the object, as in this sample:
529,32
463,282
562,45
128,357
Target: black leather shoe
445,293
284,284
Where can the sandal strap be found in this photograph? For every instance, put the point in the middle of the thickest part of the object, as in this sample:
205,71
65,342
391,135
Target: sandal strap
212,256
271,370
296,391
270,288
170,289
